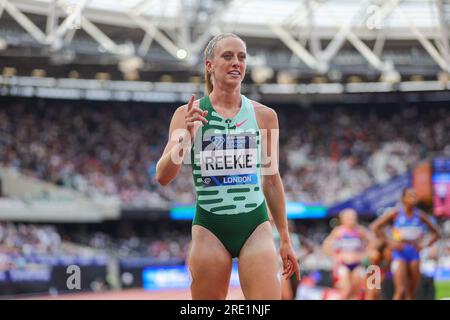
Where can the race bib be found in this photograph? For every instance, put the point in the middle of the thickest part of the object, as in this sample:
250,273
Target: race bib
410,233
229,159
350,244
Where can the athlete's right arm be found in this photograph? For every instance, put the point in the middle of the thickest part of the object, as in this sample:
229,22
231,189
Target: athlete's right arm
379,223
182,128
369,237
328,243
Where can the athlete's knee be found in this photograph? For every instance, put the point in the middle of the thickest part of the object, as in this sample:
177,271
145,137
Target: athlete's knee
412,288
401,290
208,295
201,289
208,270
267,290
346,291
410,295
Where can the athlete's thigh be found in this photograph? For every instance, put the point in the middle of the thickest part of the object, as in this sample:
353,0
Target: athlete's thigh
258,265
358,276
400,273
414,271
344,277
345,282
209,264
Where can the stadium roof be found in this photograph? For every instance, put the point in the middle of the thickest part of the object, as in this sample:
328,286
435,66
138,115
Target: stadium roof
318,35
254,17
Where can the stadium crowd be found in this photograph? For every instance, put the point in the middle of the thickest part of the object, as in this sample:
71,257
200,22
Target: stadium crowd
21,244
110,150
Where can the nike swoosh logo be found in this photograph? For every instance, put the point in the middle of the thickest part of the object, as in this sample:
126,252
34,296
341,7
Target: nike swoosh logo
241,123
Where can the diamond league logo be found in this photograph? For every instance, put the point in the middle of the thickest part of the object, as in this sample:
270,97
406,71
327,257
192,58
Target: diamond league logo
218,141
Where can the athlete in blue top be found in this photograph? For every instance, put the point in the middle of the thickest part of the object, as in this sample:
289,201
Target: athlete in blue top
408,227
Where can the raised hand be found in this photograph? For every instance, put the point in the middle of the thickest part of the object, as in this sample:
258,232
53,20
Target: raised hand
194,117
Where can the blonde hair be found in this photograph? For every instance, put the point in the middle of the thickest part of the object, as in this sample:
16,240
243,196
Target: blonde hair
209,54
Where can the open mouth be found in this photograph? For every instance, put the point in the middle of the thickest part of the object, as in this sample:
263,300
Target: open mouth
234,73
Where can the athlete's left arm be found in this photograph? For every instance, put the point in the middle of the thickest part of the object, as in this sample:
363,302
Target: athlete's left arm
369,237
273,187
434,230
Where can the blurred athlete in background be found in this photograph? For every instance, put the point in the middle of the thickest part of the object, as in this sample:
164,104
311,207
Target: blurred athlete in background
409,225
348,245
379,257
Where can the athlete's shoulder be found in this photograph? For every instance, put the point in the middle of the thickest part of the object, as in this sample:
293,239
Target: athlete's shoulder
263,109
392,213
422,214
362,230
265,113
338,231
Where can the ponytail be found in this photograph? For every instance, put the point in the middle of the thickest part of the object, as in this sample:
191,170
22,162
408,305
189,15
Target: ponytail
208,83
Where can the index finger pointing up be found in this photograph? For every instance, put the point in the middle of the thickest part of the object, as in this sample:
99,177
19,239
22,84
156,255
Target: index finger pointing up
191,102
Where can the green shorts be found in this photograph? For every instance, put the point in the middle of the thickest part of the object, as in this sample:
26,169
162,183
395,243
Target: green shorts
232,230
